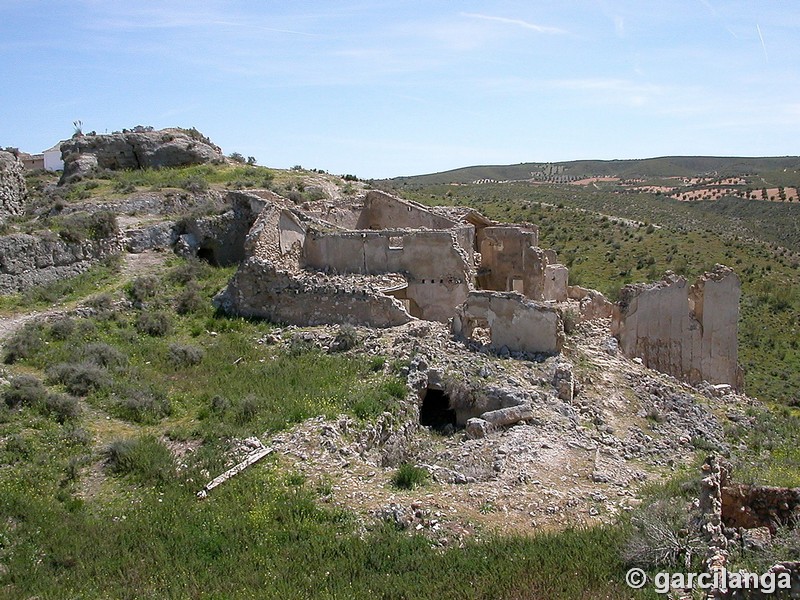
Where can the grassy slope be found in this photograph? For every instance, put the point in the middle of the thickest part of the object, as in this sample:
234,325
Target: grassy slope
70,526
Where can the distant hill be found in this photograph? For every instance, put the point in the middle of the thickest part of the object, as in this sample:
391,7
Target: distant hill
667,166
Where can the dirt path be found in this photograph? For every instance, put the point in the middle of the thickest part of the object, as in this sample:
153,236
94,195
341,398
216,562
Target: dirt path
133,265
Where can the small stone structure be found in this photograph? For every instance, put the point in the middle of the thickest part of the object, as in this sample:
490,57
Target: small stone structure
12,185
689,332
513,321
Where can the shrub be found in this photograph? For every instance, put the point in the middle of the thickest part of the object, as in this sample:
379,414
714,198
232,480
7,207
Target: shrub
79,379
25,390
144,405
145,459
61,406
103,355
189,271
407,477
80,226
663,536
182,355
62,329
246,410
143,288
156,324
189,300
346,339
195,184
26,342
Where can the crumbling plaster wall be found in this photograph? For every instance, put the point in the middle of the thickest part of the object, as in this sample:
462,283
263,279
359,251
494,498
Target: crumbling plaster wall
519,324
687,332
436,267
511,260
382,211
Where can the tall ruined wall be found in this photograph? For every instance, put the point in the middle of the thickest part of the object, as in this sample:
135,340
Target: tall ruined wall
12,185
436,267
30,260
258,289
688,332
382,211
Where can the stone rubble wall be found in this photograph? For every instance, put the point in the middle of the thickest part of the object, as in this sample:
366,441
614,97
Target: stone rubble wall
31,260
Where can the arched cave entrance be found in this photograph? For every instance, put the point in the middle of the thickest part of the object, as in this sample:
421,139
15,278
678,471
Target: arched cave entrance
435,411
207,254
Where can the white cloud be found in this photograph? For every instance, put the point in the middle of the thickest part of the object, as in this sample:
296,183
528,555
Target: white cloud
516,22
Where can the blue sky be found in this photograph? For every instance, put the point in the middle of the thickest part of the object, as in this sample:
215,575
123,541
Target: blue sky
388,88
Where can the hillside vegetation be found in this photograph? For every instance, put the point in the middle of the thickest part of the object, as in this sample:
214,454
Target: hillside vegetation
133,392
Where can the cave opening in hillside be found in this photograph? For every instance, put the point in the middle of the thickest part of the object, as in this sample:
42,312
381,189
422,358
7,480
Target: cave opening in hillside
435,411
208,255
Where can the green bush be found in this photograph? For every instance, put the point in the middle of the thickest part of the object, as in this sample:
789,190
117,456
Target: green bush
143,405
183,355
190,300
61,406
156,324
25,390
62,329
143,288
145,459
103,355
408,477
79,378
81,226
26,342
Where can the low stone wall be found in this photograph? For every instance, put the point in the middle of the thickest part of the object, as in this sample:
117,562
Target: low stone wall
259,290
31,260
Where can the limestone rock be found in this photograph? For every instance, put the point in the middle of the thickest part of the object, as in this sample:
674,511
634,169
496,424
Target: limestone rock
478,428
136,150
12,185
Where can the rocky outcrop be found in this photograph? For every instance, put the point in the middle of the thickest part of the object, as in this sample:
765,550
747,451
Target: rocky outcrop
689,332
136,150
12,185
30,260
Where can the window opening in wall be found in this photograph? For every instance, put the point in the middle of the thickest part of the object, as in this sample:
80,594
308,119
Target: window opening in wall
517,286
395,242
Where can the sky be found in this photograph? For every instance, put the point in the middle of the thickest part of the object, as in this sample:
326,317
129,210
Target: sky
389,88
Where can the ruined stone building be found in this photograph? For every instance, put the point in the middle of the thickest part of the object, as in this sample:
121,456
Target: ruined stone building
382,261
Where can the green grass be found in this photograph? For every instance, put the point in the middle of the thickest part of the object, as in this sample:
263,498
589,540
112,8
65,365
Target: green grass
144,534
408,477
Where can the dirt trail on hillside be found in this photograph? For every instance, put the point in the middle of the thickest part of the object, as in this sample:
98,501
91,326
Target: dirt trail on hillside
133,265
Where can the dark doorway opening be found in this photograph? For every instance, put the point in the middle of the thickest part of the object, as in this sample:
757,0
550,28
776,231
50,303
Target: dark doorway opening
207,254
436,413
